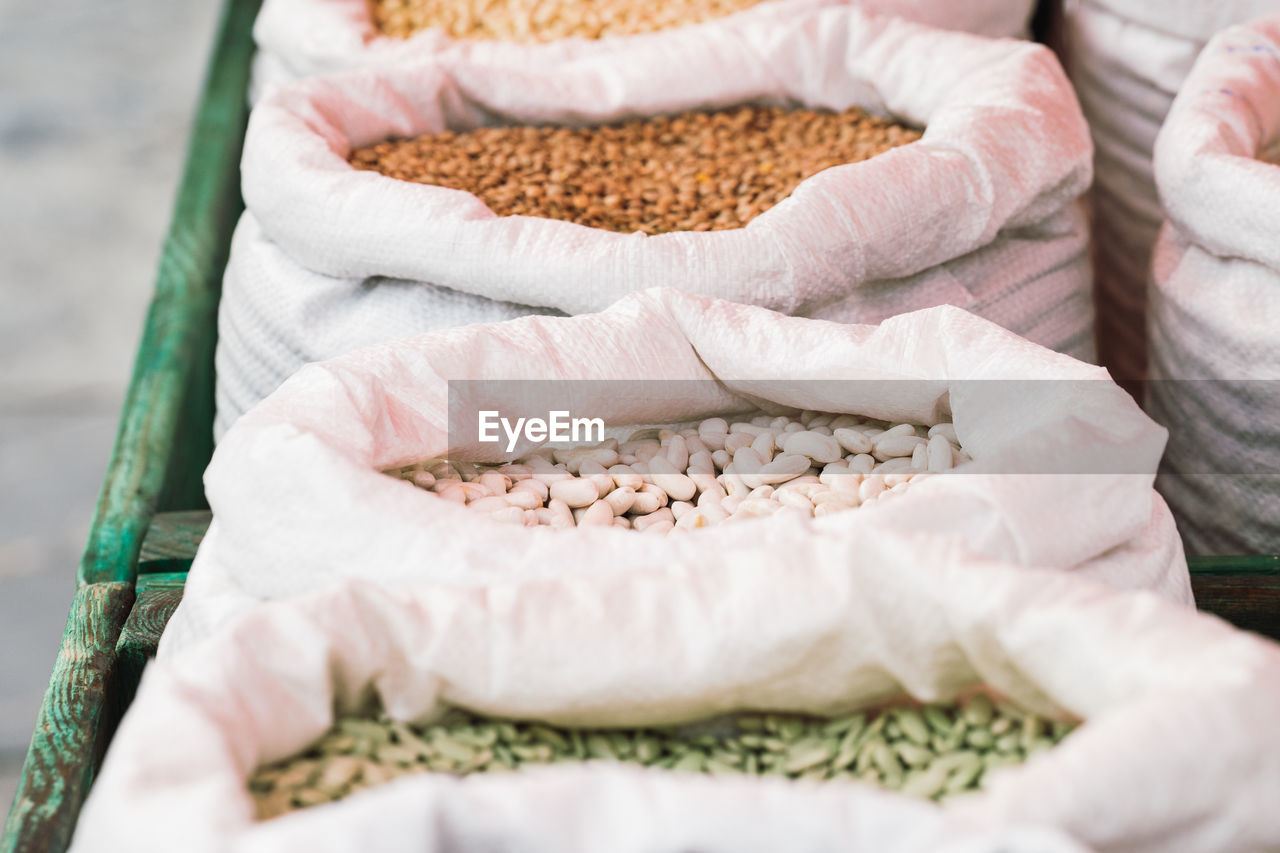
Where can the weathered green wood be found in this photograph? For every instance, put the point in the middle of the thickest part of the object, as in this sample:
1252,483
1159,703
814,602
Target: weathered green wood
165,436
157,597
1243,590
174,535
74,725
162,447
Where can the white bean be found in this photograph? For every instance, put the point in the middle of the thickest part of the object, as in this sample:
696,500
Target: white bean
561,515
870,488
920,456
713,494
496,483
621,499
575,493
792,497
677,452
786,466
649,498
652,518
666,477
818,447
939,453
523,498
891,446
599,514
452,491
508,515
947,431
852,440
863,463
536,487
625,477
895,465
678,479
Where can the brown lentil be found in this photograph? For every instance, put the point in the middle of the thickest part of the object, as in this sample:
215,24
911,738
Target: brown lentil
691,172
927,751
544,20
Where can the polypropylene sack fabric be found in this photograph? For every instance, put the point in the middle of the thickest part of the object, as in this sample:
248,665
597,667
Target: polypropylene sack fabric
1179,751
1128,59
303,38
980,213
1215,298
299,500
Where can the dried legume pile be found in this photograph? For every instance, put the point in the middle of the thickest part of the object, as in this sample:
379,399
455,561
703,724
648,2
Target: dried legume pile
932,752
663,480
544,20
691,172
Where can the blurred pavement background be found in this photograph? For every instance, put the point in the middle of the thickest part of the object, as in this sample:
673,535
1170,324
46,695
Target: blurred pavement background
95,103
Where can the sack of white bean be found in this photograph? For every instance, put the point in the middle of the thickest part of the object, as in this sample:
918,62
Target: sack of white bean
981,212
303,38
1127,59
1176,748
1053,462
1215,298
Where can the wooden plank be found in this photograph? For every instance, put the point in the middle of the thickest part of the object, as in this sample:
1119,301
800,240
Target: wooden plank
165,435
75,724
162,447
175,535
158,596
1247,600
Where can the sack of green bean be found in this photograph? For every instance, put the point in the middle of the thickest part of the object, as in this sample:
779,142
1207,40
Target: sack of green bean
302,38
873,693
933,421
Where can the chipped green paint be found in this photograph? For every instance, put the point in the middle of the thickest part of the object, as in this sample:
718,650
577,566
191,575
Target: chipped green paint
74,726
157,597
163,445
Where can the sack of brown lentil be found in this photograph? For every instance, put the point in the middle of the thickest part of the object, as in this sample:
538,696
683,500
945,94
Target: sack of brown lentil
303,38
1003,708
763,204
1128,59
936,420
1215,300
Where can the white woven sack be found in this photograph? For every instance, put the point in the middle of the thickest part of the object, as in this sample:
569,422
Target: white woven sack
299,500
1179,751
303,38
1128,59
981,213
1215,299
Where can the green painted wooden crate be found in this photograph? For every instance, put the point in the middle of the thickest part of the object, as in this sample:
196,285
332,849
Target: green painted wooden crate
152,511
